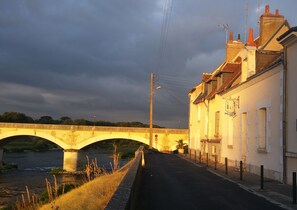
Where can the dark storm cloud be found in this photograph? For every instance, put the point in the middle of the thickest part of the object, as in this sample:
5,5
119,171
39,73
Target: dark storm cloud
94,57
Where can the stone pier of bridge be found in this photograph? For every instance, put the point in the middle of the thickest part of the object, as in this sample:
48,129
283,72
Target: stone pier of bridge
70,160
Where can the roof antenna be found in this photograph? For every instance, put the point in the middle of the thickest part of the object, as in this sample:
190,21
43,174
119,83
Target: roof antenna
258,11
246,19
225,27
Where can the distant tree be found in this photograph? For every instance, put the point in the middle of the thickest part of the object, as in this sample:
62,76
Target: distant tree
122,124
66,120
80,122
104,123
16,117
132,124
137,124
46,120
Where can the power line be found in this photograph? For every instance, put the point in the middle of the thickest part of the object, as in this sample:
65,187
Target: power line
170,84
175,78
167,10
175,96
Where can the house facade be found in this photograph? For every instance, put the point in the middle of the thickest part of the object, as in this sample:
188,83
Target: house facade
238,110
289,41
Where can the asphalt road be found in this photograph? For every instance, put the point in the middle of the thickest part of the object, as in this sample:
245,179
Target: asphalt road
169,182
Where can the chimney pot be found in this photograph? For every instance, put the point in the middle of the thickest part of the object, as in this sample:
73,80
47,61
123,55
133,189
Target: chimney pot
267,9
251,38
231,36
276,12
238,37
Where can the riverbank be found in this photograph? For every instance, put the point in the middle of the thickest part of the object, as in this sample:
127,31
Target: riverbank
92,195
35,167
111,191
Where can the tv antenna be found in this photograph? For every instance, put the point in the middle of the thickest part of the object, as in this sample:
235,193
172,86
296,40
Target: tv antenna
225,27
246,19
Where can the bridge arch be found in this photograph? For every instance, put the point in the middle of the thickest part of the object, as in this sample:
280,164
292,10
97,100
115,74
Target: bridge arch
99,138
39,134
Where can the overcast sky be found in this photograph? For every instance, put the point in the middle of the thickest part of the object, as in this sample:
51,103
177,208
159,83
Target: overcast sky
94,57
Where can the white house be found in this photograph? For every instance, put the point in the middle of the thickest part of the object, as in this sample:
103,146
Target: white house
238,110
289,41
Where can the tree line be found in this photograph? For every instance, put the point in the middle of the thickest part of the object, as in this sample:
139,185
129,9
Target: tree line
17,117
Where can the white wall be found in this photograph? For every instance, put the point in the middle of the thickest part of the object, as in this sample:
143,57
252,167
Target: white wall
291,112
262,91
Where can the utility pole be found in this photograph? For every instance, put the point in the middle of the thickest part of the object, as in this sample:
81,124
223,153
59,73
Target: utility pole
151,110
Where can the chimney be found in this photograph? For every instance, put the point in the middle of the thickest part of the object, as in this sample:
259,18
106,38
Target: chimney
251,56
267,9
231,36
233,48
251,39
238,37
269,23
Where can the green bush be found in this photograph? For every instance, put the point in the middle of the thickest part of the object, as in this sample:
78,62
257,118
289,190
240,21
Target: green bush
57,171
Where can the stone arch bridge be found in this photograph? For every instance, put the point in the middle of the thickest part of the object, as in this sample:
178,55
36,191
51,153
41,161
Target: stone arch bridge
72,138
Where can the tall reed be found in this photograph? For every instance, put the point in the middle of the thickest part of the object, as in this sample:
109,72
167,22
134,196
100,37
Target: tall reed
93,170
116,156
26,202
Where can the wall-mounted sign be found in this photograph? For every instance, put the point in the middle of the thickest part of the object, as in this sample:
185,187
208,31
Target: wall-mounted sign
231,105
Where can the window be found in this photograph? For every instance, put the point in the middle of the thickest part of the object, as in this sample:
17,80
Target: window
217,124
262,128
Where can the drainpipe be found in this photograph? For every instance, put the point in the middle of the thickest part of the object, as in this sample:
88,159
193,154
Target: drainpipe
284,115
189,121
207,128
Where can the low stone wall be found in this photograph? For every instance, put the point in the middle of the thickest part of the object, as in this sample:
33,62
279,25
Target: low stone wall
126,193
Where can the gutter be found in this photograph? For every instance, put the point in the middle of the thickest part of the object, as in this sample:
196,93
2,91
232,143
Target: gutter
284,127
207,108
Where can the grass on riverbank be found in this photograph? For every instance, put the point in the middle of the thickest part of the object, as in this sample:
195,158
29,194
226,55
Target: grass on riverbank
92,195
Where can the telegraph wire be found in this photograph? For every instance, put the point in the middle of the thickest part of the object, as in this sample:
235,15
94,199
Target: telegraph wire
174,78
176,81
167,11
169,84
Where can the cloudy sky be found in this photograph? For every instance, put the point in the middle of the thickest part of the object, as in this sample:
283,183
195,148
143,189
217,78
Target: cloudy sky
81,58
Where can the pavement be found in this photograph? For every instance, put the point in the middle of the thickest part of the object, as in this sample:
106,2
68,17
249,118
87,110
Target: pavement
171,181
273,191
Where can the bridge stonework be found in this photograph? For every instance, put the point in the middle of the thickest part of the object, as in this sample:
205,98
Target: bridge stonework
72,138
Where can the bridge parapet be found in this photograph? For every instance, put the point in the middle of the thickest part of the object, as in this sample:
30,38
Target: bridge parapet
88,128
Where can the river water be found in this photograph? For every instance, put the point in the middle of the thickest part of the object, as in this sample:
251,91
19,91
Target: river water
34,168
